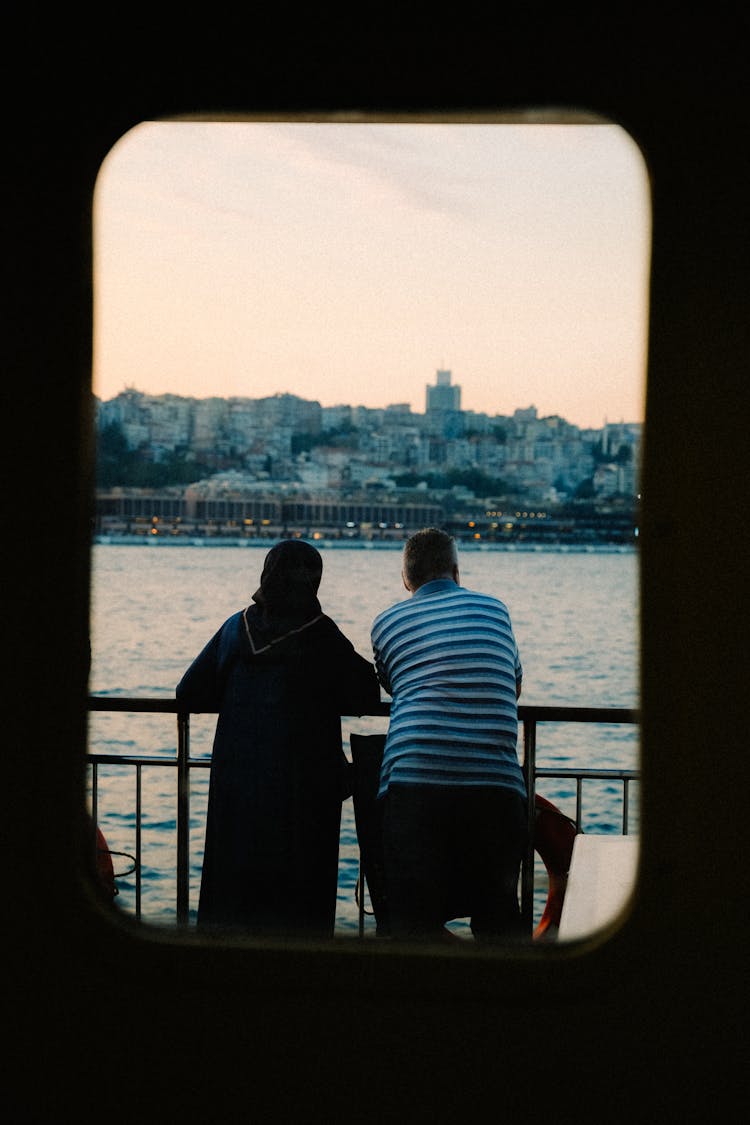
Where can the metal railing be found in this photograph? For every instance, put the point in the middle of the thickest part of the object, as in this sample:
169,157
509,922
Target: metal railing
529,718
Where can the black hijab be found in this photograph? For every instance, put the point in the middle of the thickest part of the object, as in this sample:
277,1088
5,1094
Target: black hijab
287,598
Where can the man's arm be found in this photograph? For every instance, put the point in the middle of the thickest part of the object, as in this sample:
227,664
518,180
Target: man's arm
381,670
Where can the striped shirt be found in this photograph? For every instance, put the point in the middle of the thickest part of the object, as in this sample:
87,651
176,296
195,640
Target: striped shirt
448,658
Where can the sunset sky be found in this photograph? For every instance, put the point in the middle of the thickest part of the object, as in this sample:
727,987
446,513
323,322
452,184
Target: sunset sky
348,262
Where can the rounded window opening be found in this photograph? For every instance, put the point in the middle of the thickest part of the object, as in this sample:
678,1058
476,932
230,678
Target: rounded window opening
341,332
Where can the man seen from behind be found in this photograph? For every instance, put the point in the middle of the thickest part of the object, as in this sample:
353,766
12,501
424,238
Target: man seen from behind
454,820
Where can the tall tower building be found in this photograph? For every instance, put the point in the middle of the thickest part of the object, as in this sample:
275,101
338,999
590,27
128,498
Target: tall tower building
442,395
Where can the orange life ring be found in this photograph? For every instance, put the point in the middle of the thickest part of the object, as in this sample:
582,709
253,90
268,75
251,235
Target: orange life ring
104,866
554,834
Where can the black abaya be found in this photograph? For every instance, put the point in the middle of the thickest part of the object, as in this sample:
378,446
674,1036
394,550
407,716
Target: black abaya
272,834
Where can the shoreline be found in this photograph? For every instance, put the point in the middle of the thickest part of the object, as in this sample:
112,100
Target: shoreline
357,544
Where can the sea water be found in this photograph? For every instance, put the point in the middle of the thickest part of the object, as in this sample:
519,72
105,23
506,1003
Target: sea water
576,619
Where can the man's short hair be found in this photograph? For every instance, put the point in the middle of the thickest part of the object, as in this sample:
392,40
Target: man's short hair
429,554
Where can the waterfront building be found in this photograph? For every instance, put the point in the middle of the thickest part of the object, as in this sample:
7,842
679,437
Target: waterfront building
443,395
335,417
398,412
209,424
239,511
297,414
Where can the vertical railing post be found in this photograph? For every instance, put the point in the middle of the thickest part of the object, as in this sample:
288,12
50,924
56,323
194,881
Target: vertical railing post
361,898
95,794
527,868
183,817
138,838
625,808
94,813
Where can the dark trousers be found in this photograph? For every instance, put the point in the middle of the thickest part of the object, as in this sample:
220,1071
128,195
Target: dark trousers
453,852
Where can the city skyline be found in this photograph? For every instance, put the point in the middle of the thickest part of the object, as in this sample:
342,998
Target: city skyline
348,263
609,420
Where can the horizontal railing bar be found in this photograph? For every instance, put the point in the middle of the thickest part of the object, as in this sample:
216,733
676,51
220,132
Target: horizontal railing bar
589,774
541,714
132,703
540,771
565,714
139,760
